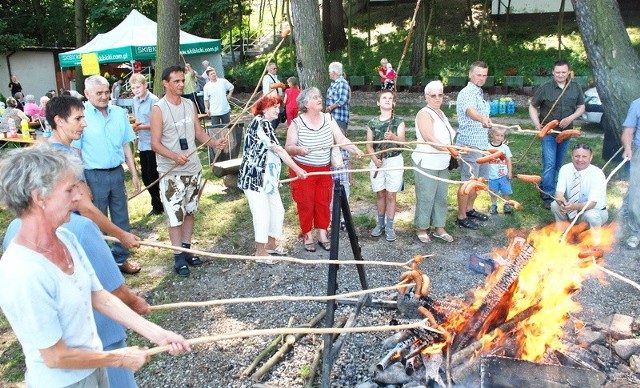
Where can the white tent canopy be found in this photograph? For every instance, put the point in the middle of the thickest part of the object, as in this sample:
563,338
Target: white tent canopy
135,38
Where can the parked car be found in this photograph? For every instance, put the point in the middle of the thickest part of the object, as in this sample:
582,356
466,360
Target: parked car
593,106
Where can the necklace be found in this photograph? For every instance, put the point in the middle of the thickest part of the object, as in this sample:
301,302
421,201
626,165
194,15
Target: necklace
53,254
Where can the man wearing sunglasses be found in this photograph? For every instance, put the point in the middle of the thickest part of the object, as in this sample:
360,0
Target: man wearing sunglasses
581,185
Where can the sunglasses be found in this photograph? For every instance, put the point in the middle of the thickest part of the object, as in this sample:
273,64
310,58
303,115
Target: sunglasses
436,95
582,146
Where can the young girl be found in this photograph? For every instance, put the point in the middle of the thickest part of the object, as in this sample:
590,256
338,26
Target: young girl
390,82
290,99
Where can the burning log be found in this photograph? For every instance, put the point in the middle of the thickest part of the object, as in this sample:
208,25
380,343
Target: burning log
432,364
394,355
480,322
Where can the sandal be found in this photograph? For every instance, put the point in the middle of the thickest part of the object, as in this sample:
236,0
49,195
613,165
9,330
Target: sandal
424,237
477,215
446,237
279,251
193,260
310,247
326,245
467,223
129,267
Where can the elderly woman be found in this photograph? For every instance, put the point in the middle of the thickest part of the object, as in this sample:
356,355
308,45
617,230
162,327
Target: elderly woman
47,285
12,112
431,194
309,140
43,106
260,173
30,107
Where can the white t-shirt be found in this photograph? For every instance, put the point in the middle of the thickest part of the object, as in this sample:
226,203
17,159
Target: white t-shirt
216,94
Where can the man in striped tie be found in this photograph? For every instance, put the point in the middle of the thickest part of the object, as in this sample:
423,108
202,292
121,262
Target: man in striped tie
581,185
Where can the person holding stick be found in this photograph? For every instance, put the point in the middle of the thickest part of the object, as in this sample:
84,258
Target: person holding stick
562,100
431,195
630,212
474,122
260,173
174,130
386,184
47,284
309,140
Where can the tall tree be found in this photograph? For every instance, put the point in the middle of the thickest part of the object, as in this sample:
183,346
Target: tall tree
423,22
307,32
168,46
614,62
80,25
333,24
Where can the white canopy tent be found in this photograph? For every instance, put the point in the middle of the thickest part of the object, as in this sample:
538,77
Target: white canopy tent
135,38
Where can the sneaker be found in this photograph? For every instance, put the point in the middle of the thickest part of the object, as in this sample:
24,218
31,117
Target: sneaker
494,209
390,234
507,208
377,231
193,260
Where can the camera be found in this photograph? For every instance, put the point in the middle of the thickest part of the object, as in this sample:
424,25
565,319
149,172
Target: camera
183,144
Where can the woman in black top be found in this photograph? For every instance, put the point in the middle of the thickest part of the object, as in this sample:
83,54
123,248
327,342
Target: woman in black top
14,85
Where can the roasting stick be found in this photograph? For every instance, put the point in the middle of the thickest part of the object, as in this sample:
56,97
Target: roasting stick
611,158
581,212
514,126
297,330
275,258
278,298
378,169
235,122
613,274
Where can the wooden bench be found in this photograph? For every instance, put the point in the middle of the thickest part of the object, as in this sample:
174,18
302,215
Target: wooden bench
228,170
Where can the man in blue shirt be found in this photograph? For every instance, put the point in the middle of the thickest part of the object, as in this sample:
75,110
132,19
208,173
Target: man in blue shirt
473,127
103,147
631,205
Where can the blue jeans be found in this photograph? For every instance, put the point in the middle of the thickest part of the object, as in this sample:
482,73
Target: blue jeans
553,155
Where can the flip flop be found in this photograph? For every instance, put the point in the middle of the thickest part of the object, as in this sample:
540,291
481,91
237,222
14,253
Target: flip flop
279,251
326,245
310,247
424,238
446,237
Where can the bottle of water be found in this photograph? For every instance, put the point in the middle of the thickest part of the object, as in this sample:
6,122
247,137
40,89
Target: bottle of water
493,105
47,129
502,107
511,107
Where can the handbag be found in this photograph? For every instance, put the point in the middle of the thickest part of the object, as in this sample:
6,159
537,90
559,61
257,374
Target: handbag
336,158
453,163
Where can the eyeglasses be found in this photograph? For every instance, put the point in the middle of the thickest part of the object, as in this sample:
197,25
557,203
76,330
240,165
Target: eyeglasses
436,95
582,146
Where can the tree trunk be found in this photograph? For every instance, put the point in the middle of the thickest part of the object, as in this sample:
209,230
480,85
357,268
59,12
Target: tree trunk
421,34
168,45
614,62
80,25
338,39
560,23
307,33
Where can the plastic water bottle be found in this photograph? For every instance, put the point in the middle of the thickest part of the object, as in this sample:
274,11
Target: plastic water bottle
502,107
511,107
47,129
493,105
24,128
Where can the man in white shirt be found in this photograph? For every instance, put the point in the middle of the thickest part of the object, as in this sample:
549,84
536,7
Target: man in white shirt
270,84
581,185
217,92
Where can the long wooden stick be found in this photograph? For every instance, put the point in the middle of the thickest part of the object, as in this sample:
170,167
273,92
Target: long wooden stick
275,258
285,348
615,275
379,169
611,158
278,298
424,324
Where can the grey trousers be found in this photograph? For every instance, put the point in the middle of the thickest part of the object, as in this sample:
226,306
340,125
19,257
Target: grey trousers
431,199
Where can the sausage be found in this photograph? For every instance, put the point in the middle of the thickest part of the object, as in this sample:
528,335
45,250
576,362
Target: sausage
454,152
550,125
490,157
480,186
514,204
467,187
529,178
278,85
426,285
593,252
427,314
404,278
417,278
567,134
